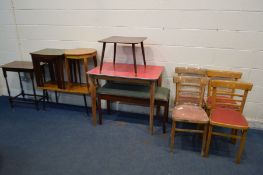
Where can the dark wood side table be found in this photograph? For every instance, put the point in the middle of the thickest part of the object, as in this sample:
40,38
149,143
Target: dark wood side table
27,67
123,40
55,60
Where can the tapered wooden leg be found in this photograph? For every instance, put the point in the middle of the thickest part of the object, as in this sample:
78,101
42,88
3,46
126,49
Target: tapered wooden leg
143,54
114,53
152,91
172,136
93,98
86,65
234,132
204,140
102,56
241,146
134,59
209,135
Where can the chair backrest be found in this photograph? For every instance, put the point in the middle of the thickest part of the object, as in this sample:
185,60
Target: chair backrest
190,71
190,90
221,75
238,100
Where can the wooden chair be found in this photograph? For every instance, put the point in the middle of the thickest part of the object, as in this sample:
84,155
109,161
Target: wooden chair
188,109
220,75
227,114
190,71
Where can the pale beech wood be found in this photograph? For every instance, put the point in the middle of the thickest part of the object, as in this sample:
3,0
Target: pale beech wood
193,86
73,89
208,140
204,139
181,71
221,75
172,136
93,99
241,90
241,146
233,85
189,87
152,90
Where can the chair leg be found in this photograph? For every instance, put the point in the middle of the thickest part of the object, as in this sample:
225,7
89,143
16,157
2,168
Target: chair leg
99,109
233,132
172,136
241,146
209,135
165,117
204,140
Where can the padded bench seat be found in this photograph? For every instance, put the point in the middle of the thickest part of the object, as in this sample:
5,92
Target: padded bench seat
136,94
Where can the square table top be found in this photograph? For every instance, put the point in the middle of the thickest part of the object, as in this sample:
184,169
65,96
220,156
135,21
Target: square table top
22,65
122,70
49,51
123,40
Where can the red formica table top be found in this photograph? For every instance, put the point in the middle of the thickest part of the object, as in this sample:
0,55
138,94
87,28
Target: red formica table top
127,71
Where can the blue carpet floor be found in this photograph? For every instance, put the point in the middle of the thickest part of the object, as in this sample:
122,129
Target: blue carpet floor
61,140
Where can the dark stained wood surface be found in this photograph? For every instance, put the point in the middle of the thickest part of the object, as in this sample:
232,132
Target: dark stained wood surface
48,51
123,40
23,65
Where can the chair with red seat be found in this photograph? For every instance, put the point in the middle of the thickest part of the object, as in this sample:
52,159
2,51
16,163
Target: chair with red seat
227,114
188,109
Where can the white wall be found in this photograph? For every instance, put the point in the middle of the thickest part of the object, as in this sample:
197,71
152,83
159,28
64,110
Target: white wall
225,34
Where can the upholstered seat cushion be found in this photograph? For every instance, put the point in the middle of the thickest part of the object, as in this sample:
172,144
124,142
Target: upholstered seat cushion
228,118
190,113
136,91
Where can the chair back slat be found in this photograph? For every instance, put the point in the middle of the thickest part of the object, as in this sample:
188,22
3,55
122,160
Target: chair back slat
221,75
238,100
190,71
190,90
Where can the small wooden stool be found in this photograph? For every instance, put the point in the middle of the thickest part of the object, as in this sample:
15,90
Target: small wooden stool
72,62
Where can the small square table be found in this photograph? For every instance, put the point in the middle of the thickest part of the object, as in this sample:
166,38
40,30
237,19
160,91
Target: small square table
150,75
123,40
55,60
21,66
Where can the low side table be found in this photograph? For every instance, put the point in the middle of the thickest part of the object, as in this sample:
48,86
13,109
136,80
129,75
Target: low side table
55,60
27,67
75,56
123,40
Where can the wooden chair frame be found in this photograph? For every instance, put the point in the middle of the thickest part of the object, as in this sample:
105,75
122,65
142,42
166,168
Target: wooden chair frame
238,106
220,75
190,71
196,82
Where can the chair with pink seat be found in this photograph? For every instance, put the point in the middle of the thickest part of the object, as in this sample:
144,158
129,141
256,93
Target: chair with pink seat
189,99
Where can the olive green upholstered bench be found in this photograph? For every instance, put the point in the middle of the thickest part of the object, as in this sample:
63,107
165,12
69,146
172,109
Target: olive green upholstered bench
135,94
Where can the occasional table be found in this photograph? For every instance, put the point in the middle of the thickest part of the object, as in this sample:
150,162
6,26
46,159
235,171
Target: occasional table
55,59
123,40
149,75
27,67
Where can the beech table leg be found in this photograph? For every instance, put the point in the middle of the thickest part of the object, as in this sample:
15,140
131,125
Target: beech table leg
152,90
93,97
